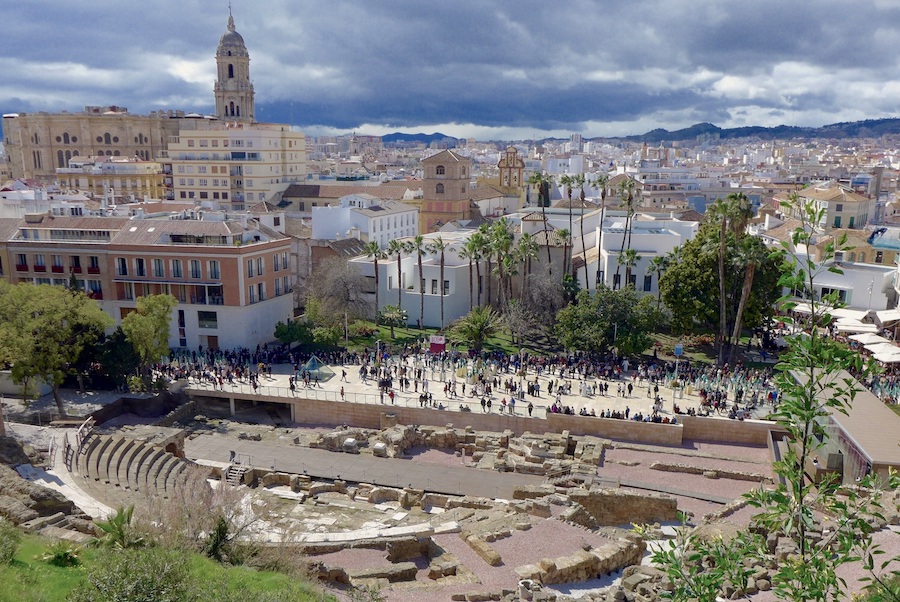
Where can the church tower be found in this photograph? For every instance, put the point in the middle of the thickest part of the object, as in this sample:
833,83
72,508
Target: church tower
233,89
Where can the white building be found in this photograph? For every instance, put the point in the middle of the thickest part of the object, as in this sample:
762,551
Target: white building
651,236
365,217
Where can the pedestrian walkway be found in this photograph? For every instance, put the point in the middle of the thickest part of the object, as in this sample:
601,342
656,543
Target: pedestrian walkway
359,468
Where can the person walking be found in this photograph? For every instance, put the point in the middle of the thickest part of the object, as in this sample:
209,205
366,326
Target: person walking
530,408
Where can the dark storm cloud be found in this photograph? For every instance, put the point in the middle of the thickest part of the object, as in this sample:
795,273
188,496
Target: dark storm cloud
524,65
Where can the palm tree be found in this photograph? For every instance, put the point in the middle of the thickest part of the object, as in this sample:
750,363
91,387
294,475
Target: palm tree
659,264
543,183
629,259
733,212
470,253
486,250
501,239
626,192
479,246
476,327
393,315
750,254
564,235
398,247
568,181
601,182
526,249
579,181
439,246
372,249
417,245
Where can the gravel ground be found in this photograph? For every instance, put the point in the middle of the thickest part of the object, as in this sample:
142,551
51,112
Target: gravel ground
646,459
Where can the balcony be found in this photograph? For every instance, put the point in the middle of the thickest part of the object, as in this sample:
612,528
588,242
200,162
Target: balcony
40,268
21,267
57,269
75,269
96,295
95,270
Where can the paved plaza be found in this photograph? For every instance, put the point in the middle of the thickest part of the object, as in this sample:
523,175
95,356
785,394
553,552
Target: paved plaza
352,388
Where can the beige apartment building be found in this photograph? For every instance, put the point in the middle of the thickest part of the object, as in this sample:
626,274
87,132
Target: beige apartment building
237,164
231,276
118,177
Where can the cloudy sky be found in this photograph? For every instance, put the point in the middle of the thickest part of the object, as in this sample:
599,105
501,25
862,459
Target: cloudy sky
503,69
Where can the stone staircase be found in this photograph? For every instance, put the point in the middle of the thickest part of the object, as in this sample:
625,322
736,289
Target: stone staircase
234,474
57,526
117,469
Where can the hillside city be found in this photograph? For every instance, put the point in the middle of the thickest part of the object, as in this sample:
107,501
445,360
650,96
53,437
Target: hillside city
416,366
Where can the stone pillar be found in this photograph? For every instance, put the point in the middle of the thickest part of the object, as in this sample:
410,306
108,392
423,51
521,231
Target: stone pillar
293,407
231,404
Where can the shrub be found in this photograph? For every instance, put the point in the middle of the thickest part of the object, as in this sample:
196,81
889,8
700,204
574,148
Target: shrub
136,575
10,537
61,553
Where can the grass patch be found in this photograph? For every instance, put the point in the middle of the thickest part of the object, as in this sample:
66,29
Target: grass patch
29,579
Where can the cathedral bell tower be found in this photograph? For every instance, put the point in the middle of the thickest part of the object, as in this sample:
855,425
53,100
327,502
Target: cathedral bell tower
233,89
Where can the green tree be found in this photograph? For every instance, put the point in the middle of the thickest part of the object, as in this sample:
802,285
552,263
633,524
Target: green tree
117,529
566,237
658,264
606,319
294,331
629,259
690,286
476,327
394,315
526,251
814,382
373,250
45,329
340,289
147,328
629,192
117,357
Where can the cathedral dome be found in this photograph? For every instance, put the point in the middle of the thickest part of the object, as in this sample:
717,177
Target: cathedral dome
231,41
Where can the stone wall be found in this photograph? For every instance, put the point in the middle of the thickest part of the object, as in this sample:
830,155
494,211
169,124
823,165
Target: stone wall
737,475
584,564
725,430
616,507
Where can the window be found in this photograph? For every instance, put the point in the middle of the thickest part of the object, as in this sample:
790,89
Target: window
93,262
139,268
128,291
439,189
277,221
252,290
434,288
121,266
207,319
286,283
39,261
261,291
57,261
284,259
159,268
250,271
616,281
862,257
879,256
837,221
839,207
277,262
277,287
446,287
439,170
195,269
259,266
214,271
176,268
648,282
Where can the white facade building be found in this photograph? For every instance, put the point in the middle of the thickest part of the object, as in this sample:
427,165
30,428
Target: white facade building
365,217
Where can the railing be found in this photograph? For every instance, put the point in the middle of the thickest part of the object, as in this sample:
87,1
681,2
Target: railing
57,269
40,268
21,267
94,270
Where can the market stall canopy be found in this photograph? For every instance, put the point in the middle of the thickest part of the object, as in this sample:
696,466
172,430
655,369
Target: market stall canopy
851,314
877,348
855,326
887,316
867,338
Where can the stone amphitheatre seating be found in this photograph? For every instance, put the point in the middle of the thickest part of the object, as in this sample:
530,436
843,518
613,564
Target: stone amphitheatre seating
118,470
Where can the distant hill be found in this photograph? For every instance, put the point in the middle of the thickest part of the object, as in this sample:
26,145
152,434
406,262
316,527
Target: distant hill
416,138
870,128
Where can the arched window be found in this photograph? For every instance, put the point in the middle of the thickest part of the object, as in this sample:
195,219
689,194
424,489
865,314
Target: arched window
862,257
439,189
107,139
75,153
60,159
852,256
230,71
66,138
439,170
68,156
231,109
116,153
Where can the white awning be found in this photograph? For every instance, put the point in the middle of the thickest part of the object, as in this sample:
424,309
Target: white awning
888,358
887,316
867,338
879,348
852,314
855,326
